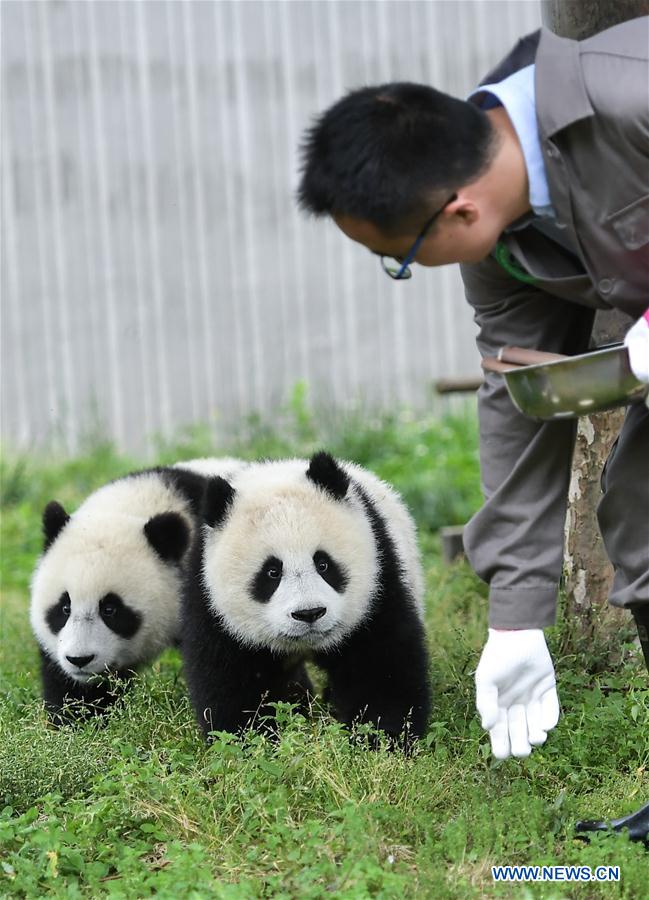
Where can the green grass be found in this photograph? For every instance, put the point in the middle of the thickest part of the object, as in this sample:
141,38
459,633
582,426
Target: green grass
140,806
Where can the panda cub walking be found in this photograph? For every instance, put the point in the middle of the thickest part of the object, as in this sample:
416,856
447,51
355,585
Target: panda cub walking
305,561
106,591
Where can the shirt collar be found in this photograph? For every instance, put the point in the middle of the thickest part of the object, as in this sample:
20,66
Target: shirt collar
517,94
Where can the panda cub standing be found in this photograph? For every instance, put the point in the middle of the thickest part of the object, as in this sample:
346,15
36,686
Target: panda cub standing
300,561
106,592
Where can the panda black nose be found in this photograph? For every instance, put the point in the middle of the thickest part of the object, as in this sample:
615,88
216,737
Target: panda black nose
80,661
309,615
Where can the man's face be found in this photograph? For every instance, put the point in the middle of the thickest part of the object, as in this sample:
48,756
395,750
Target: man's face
460,234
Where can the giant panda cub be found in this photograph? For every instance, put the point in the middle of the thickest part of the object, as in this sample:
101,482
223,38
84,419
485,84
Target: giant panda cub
305,561
106,591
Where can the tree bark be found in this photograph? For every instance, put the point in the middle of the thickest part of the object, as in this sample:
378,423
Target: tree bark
587,572
579,19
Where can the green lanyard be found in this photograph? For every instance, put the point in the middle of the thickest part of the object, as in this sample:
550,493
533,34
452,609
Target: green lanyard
511,265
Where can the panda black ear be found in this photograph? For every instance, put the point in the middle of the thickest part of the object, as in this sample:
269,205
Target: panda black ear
55,519
325,472
168,534
217,500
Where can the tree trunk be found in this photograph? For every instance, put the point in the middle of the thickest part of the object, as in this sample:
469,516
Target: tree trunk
579,19
588,573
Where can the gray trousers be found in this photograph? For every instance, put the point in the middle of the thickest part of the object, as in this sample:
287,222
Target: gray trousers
515,541
623,512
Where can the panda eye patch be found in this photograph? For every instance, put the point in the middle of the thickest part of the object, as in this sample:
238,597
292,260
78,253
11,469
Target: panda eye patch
329,570
108,608
119,617
58,615
267,579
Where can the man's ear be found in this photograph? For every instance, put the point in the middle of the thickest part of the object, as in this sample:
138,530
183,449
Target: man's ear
463,208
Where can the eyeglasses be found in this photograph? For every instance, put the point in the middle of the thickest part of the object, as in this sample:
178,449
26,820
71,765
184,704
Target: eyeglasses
402,270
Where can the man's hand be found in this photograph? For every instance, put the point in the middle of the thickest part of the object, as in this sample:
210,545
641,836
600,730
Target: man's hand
637,343
516,692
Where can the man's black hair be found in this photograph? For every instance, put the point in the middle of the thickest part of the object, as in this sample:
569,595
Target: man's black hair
387,154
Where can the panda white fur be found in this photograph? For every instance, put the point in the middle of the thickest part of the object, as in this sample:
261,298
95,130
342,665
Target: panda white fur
305,560
106,592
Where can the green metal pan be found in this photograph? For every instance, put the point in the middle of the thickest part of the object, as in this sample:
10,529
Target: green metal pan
550,386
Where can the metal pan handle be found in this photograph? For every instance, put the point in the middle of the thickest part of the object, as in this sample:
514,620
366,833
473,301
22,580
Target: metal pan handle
522,356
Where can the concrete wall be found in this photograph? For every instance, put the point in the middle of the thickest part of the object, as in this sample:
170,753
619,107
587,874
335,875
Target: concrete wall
155,269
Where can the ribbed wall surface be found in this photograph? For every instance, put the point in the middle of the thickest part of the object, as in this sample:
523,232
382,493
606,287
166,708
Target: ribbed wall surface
155,269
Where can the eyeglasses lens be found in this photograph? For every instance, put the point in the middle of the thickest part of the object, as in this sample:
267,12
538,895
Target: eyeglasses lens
393,267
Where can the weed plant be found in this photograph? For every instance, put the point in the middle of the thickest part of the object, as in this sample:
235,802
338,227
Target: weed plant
138,806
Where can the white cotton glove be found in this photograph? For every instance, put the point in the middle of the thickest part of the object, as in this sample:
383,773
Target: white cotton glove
516,693
637,343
